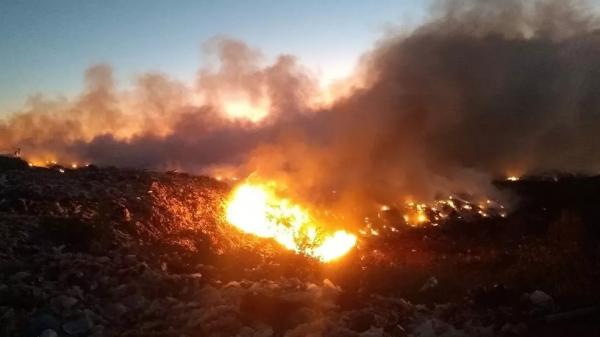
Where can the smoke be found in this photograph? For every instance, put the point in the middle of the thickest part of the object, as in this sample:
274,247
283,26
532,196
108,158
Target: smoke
482,89
162,123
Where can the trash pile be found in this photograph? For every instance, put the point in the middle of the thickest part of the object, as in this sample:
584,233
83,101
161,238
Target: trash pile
115,252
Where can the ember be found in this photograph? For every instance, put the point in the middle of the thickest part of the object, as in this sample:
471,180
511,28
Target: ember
437,213
257,210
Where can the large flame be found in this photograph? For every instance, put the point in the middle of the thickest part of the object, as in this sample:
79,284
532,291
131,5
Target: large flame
256,209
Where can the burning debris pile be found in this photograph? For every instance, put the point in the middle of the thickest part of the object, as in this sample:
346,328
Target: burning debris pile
440,212
110,252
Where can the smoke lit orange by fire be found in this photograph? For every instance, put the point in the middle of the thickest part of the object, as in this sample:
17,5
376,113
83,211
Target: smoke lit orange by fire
256,209
244,109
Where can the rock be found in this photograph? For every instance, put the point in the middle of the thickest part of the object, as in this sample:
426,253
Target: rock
64,301
480,331
245,332
431,283
263,330
131,258
435,327
316,328
69,231
20,276
514,329
48,333
209,295
494,296
97,331
135,302
7,323
39,323
11,267
330,285
373,332
232,284
303,315
397,330
115,310
92,316
19,296
199,276
425,329
125,214
103,259
541,299
121,291
361,321
272,310
78,326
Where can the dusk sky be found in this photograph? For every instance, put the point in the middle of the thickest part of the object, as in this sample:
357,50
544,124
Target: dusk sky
47,45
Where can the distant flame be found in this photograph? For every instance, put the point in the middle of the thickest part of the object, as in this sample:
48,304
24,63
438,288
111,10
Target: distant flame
416,214
255,209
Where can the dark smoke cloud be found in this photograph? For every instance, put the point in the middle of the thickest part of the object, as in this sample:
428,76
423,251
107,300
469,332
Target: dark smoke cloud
484,88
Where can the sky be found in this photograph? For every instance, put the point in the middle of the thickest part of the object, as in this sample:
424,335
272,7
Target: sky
45,46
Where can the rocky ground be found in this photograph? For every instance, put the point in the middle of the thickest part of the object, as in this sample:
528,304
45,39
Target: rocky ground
114,252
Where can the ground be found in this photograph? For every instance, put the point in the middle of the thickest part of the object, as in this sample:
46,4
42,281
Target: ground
116,252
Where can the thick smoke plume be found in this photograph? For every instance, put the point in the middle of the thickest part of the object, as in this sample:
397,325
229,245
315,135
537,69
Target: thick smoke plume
483,88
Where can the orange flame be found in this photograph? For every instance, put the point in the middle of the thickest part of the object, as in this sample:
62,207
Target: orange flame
255,209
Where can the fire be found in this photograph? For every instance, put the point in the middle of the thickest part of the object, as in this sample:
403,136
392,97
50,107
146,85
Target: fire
436,213
416,214
255,209
512,178
245,109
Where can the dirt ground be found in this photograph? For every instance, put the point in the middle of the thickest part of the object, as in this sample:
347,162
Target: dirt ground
115,252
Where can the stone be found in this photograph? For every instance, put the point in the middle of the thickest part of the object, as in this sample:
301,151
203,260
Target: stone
541,299
330,285
135,302
48,333
64,301
361,321
115,310
97,331
103,259
78,326
431,283
20,276
39,323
